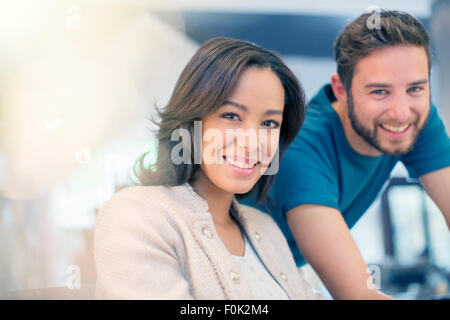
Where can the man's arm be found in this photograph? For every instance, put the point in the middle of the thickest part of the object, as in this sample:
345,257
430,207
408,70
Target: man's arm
325,240
437,185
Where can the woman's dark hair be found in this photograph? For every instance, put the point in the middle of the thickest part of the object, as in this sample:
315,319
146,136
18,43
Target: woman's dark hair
203,86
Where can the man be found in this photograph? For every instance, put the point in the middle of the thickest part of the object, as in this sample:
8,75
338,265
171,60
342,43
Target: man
376,111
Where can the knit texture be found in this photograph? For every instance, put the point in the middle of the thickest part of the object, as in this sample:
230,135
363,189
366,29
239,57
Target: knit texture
156,242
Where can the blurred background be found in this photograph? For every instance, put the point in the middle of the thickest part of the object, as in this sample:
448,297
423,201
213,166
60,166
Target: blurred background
79,81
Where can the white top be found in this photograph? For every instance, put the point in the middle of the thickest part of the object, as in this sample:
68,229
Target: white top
262,283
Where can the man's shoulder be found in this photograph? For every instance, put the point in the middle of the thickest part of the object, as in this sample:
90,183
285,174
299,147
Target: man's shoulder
321,118
433,133
320,133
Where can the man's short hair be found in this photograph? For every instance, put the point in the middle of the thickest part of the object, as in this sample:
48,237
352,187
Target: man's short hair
360,38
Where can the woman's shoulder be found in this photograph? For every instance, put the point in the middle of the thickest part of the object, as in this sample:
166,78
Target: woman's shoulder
138,196
140,211
258,218
130,204
160,201
150,195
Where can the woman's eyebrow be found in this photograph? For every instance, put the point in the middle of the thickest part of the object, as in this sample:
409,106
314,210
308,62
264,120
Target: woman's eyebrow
269,112
235,104
244,108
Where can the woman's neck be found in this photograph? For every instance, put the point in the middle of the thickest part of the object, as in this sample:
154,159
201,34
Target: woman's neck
219,201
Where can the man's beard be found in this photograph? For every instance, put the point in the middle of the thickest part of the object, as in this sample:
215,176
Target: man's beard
371,136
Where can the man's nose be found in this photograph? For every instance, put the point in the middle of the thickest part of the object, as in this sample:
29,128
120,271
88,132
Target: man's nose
400,108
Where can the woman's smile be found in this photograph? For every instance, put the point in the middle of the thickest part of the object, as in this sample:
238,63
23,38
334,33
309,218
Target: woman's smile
242,166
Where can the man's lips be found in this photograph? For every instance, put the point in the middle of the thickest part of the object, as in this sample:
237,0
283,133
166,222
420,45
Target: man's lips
396,128
397,132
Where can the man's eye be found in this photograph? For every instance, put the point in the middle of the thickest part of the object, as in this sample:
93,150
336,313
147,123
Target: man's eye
230,116
271,124
415,89
379,91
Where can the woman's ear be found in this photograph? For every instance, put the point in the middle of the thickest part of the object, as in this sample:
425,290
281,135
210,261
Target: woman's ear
338,89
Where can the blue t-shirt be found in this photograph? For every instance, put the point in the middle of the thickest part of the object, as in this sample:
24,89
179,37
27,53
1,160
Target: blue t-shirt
320,167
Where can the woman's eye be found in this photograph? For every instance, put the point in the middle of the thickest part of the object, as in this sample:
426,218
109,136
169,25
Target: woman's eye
271,124
230,116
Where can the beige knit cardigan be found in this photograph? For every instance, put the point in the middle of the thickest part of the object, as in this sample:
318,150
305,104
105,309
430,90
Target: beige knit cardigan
156,242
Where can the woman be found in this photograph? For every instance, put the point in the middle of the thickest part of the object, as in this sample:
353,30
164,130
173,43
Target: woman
181,234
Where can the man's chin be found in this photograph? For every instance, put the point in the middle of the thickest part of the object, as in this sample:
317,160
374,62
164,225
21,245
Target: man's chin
395,150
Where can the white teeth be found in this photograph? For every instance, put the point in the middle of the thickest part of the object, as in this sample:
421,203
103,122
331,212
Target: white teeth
239,164
395,129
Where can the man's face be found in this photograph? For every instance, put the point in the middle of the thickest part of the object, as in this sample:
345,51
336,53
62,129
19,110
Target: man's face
389,100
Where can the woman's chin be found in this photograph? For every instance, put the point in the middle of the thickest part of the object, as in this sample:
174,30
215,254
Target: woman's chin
241,189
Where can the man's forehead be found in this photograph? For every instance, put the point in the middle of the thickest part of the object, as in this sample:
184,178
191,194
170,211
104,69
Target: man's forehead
399,65
395,56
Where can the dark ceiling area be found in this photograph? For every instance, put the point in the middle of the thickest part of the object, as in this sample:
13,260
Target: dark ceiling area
288,34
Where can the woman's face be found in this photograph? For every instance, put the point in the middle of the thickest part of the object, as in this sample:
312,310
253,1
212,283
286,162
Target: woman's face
241,137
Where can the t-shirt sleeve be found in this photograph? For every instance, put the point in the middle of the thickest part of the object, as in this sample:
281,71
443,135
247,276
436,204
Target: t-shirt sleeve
431,151
306,176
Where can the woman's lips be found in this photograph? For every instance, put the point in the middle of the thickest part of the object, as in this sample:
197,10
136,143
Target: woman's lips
247,167
241,162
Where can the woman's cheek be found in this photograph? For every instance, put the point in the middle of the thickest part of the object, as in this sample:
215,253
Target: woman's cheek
268,146
211,146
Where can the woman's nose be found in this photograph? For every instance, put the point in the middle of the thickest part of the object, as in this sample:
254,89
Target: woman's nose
247,142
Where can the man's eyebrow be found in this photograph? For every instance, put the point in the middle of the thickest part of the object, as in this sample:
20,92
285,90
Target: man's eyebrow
244,108
416,83
378,85
386,85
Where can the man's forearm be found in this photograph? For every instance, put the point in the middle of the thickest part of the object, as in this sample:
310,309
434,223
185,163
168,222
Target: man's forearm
437,184
374,295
